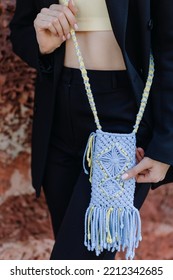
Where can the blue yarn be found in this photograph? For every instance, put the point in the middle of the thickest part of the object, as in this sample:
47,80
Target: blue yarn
113,221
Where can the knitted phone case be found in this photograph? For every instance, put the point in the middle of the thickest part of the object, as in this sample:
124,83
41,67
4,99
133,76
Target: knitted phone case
111,220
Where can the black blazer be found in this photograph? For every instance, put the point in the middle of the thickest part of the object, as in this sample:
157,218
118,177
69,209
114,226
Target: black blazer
138,26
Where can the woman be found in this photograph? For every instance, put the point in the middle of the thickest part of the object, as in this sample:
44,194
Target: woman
116,47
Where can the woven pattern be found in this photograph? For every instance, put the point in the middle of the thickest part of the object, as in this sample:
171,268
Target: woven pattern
113,156
111,220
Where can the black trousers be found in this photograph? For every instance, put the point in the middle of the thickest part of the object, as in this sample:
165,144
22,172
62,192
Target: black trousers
66,186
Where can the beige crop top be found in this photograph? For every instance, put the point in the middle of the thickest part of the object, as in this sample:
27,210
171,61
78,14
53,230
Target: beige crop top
92,15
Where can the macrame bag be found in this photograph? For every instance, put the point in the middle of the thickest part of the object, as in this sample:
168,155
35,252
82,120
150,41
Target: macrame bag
111,220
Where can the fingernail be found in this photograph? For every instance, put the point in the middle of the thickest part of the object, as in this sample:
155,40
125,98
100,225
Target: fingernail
63,37
73,3
124,176
68,36
76,27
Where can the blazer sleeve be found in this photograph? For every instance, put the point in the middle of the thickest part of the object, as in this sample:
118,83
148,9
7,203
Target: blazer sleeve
160,147
23,37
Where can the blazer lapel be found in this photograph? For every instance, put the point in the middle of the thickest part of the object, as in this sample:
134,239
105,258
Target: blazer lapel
118,12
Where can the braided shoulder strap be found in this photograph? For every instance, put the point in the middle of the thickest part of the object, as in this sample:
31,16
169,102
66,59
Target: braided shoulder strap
84,74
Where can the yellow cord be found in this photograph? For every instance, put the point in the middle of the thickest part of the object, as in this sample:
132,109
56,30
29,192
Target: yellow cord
89,222
109,238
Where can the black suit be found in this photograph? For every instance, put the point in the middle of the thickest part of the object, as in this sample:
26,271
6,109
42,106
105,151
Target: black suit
133,23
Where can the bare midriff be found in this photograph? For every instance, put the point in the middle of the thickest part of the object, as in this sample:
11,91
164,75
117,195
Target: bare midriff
99,49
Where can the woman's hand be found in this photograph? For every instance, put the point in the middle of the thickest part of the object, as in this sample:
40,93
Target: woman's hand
139,154
53,25
147,170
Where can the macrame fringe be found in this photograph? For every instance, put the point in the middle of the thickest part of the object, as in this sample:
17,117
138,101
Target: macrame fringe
112,229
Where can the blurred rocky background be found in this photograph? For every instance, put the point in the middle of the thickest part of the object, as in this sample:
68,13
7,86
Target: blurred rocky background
25,231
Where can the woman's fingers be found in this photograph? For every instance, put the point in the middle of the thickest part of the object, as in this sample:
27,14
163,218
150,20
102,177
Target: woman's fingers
138,157
53,26
65,8
43,24
61,17
62,11
147,170
147,177
64,24
139,154
54,21
57,26
72,7
141,151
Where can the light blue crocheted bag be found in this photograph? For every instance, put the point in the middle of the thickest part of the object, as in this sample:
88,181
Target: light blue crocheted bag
111,220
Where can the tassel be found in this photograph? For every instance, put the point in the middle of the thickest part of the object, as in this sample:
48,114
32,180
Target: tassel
88,154
112,229
109,238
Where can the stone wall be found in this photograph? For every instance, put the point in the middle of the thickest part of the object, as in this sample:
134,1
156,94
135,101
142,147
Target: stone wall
25,231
